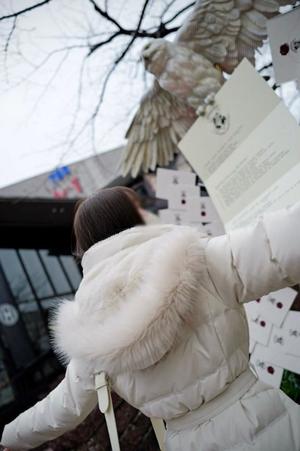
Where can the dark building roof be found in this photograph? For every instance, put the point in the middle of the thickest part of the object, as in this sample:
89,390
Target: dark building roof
37,224
46,223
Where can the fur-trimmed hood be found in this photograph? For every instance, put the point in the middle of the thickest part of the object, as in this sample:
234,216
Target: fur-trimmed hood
136,295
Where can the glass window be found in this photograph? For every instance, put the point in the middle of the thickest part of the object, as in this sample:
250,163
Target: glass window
15,275
6,392
36,330
36,273
55,272
72,270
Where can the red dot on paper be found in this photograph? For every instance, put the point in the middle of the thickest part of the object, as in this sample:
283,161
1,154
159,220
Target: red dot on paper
284,49
262,323
270,370
183,201
258,300
203,213
279,305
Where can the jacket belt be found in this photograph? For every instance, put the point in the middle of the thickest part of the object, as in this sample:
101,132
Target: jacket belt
233,393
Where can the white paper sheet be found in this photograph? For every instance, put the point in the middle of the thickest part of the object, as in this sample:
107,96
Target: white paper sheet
260,328
286,361
167,178
266,370
254,165
180,196
286,341
291,328
284,37
206,209
173,217
278,340
214,228
276,305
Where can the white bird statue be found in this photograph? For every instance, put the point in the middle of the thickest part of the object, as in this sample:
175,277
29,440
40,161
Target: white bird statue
188,72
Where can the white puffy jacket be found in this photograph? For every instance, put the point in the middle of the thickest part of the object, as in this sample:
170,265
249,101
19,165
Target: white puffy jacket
160,309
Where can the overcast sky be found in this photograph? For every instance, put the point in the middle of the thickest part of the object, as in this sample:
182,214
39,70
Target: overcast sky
37,105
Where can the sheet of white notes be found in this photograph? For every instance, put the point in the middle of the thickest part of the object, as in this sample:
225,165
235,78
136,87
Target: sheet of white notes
186,205
246,150
274,335
252,164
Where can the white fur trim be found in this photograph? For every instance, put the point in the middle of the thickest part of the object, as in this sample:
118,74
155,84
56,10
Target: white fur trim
142,302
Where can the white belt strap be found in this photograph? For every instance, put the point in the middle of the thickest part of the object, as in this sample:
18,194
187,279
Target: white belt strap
106,406
160,430
235,391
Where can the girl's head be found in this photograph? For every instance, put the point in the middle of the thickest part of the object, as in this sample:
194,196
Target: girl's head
103,214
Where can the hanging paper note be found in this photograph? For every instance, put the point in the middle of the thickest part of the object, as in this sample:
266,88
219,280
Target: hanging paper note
276,305
266,370
167,178
251,164
179,196
284,37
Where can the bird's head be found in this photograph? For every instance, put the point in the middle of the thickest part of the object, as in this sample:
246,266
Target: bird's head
155,55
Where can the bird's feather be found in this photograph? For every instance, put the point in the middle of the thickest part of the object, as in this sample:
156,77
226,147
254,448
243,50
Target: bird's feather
216,33
224,31
158,125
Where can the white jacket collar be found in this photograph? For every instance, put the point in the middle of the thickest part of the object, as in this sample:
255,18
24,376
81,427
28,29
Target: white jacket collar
124,240
136,295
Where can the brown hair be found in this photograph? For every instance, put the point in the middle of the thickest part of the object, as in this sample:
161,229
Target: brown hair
107,212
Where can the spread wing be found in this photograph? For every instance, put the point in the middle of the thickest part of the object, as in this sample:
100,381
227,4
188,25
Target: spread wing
158,125
226,31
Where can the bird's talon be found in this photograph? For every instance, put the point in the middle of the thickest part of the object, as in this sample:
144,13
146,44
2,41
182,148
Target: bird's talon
210,99
200,110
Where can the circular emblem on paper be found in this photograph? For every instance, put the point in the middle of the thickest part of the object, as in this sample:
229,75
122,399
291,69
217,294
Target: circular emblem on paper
8,315
220,122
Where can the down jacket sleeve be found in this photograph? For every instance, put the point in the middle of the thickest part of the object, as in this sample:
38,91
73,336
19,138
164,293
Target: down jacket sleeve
251,262
62,410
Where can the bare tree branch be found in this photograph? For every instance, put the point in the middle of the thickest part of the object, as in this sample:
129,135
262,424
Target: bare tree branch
10,34
79,97
48,84
90,42
166,9
105,14
95,47
135,34
160,32
179,13
103,89
92,118
25,10
8,40
44,61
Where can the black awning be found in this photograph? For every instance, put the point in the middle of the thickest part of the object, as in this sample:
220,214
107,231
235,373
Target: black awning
37,224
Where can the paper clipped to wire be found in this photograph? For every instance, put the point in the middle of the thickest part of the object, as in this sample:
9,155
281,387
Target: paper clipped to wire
246,150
